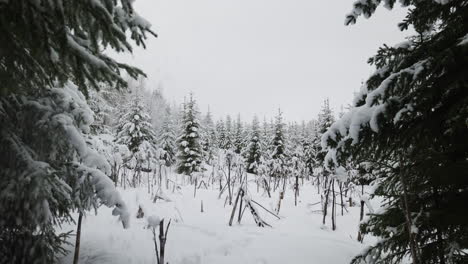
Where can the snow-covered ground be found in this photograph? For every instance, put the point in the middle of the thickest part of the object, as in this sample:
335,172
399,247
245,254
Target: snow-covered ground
205,237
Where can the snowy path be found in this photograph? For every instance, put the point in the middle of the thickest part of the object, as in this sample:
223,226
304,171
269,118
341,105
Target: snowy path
206,238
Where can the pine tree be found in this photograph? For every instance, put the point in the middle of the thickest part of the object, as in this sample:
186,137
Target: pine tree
53,167
238,136
167,142
253,150
409,123
228,143
134,128
221,134
48,41
325,120
278,142
48,169
189,155
208,138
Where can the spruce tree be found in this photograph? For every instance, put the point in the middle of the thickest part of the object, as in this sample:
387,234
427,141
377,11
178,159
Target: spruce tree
253,150
134,128
228,128
278,142
208,138
166,142
53,167
48,41
409,123
238,136
189,155
221,134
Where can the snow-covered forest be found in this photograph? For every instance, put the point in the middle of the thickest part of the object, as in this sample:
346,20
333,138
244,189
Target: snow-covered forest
97,165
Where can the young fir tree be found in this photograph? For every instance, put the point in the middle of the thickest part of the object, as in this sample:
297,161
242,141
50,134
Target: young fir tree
189,156
208,138
228,143
278,141
325,120
253,149
238,136
167,140
221,134
409,122
265,138
134,128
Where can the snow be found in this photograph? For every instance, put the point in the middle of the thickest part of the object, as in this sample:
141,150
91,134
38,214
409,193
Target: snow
153,221
464,40
196,237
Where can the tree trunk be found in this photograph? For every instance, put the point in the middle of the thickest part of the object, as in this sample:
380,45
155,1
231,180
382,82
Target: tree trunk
325,206
409,224
162,241
229,183
333,212
296,190
234,208
341,197
78,238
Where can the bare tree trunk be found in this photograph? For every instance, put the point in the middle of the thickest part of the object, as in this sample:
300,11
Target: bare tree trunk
229,182
341,197
162,240
78,238
234,208
325,206
240,208
333,205
155,244
360,237
195,187
296,190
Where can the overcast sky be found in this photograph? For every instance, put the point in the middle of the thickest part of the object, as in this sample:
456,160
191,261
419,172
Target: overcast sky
253,56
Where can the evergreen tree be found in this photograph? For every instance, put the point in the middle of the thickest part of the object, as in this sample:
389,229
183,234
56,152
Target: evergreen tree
228,143
53,167
278,142
48,41
238,136
167,141
134,128
221,134
325,120
208,138
253,150
189,155
409,122
48,169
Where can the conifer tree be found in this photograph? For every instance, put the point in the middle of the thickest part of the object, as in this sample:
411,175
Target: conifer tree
278,142
208,138
189,155
238,139
253,150
48,41
134,128
51,168
167,142
228,128
221,134
409,123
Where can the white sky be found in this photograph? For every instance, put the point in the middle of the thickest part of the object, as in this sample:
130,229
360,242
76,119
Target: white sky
253,56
